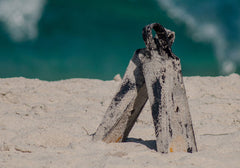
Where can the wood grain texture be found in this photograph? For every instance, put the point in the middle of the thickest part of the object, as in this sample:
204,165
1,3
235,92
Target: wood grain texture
167,95
126,104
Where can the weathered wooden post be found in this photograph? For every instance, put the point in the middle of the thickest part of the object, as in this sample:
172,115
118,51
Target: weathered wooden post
166,91
153,72
126,104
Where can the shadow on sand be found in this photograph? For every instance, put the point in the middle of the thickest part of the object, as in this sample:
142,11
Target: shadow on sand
151,144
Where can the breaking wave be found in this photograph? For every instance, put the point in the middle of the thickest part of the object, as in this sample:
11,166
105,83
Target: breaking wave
20,18
212,21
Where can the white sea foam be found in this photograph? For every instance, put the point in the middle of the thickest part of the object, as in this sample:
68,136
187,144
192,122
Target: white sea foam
206,31
20,18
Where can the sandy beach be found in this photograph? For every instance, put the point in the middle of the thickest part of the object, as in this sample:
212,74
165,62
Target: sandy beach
47,125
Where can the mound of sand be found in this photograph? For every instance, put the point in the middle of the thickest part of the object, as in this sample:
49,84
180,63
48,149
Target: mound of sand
46,124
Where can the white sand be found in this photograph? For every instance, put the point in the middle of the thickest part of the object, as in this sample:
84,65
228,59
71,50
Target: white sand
45,124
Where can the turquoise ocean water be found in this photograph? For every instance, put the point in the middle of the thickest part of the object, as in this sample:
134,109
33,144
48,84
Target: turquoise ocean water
57,39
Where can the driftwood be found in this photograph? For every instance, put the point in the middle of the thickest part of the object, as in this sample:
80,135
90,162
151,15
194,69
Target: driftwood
153,72
126,104
167,95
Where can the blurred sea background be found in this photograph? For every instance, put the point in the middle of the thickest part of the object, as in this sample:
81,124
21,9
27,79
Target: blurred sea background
57,39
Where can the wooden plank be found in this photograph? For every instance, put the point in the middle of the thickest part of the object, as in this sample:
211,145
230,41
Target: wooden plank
126,104
167,95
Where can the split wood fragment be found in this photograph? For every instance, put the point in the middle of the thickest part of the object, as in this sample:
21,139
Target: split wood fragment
126,104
